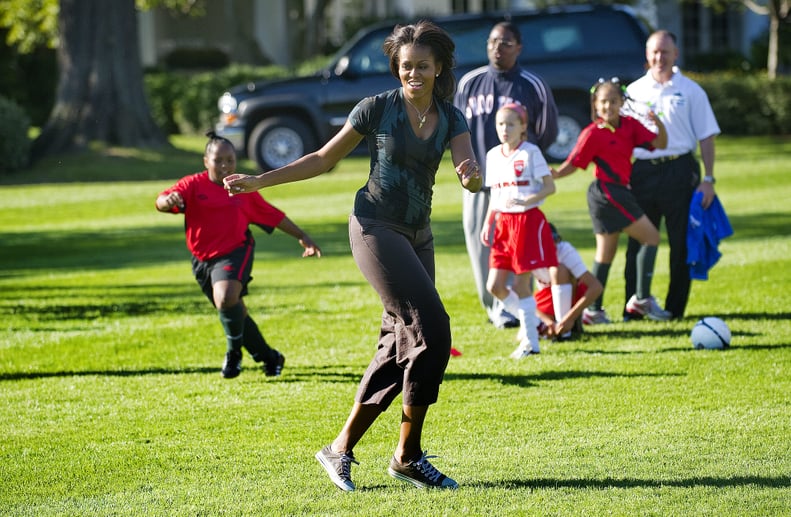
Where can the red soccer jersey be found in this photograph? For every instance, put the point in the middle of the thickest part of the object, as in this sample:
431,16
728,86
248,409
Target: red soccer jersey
611,148
215,222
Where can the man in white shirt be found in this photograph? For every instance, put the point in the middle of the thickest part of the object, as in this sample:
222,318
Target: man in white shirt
664,180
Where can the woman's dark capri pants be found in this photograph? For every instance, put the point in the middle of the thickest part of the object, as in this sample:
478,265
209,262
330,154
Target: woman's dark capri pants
414,341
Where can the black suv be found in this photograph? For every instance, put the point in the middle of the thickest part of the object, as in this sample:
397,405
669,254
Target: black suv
570,47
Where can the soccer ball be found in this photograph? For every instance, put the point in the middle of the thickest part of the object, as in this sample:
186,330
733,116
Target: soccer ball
711,333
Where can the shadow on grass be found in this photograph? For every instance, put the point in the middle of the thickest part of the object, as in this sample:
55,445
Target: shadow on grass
704,481
329,374
744,316
54,250
530,380
301,374
16,376
109,164
84,312
638,330
110,249
763,225
65,304
638,333
731,349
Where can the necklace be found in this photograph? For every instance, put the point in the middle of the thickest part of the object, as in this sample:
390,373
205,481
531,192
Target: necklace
421,117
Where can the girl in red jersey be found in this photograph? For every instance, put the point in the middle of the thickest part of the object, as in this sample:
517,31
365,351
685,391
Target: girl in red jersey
219,238
608,142
520,236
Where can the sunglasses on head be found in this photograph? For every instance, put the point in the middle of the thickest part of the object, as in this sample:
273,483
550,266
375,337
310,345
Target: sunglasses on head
613,80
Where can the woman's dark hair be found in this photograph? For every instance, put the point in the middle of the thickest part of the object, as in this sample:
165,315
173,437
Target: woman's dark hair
425,34
215,140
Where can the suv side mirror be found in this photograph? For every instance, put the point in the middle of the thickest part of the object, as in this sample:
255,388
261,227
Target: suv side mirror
342,67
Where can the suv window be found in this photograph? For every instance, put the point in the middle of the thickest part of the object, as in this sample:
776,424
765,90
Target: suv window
543,38
567,35
367,57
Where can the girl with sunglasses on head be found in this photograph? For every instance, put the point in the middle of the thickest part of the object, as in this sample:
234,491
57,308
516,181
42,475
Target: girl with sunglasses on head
608,142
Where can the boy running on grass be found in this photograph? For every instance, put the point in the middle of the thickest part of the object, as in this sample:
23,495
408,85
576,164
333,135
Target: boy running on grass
219,238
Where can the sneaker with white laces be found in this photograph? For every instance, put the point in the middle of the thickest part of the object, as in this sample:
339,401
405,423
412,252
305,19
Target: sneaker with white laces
420,473
647,307
502,319
595,317
338,466
524,349
232,366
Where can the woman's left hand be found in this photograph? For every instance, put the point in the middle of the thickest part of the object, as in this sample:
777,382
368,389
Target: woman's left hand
468,169
470,175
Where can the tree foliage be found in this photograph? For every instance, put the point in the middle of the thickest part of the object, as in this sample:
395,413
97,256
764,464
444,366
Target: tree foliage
34,23
778,12
30,23
100,93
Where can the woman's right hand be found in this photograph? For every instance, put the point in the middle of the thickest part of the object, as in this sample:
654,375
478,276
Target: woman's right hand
240,183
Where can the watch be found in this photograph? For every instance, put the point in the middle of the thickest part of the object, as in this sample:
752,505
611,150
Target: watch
709,179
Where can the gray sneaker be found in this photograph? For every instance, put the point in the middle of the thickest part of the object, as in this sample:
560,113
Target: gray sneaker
338,466
421,473
647,307
595,317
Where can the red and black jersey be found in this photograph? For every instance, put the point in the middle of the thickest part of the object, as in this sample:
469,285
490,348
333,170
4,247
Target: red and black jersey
216,223
611,148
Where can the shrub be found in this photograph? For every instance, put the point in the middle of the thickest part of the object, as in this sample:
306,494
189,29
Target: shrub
182,102
14,142
162,91
29,79
749,104
196,58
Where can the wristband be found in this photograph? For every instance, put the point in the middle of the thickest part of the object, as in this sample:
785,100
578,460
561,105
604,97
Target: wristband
709,179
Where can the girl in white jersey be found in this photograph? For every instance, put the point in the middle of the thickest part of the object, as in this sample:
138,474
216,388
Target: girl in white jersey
515,228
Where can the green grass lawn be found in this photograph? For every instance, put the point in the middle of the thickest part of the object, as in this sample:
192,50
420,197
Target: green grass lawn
111,402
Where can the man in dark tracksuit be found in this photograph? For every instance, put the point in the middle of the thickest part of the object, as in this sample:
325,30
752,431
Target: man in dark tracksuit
481,92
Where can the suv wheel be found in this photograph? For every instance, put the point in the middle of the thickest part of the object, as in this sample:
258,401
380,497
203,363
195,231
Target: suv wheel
278,141
569,128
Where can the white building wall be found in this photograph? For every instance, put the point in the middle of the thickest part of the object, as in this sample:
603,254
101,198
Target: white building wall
270,22
146,33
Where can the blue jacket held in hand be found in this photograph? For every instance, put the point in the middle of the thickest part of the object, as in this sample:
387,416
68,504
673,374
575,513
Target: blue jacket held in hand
705,230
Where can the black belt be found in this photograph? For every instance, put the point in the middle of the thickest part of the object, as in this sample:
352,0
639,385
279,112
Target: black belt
665,159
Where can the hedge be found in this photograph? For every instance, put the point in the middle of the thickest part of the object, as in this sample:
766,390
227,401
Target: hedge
14,142
187,103
749,104
743,104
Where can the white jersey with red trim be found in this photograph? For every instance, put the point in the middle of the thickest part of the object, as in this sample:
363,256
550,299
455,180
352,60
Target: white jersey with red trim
567,256
515,176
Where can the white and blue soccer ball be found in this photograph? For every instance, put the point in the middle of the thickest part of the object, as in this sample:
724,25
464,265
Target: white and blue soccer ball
710,333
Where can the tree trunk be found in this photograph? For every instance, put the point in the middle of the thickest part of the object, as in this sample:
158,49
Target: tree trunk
100,95
774,32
